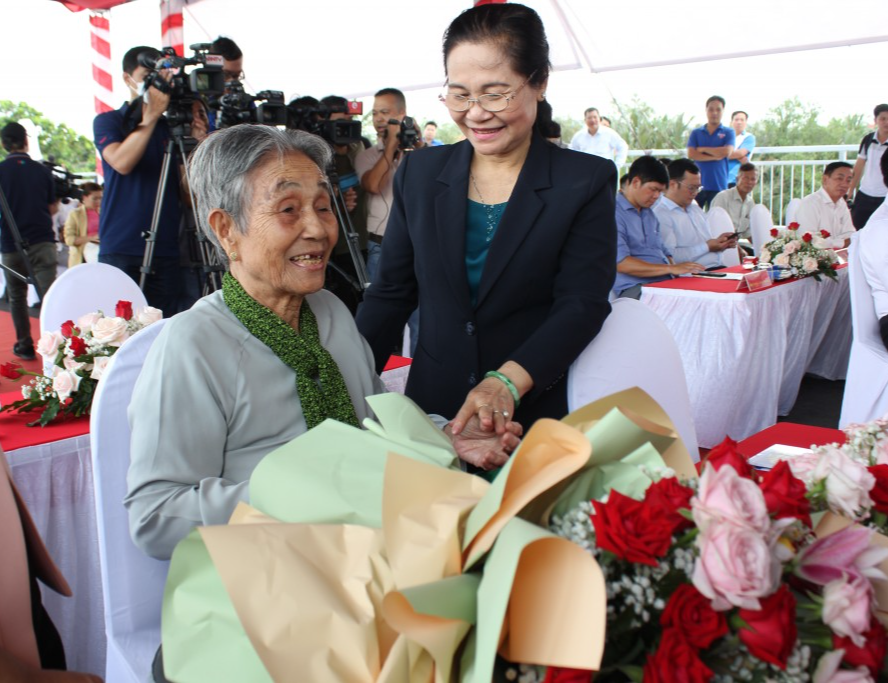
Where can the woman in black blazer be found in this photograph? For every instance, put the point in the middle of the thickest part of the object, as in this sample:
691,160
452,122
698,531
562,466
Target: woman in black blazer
506,242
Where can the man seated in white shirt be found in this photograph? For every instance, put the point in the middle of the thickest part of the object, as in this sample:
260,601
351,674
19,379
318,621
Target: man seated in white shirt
682,221
873,246
737,201
826,209
600,140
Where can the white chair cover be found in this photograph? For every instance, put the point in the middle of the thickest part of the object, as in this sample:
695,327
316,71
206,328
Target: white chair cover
86,288
866,386
791,210
760,224
132,582
719,223
634,349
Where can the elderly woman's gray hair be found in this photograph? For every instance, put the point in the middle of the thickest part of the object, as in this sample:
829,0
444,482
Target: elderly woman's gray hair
220,167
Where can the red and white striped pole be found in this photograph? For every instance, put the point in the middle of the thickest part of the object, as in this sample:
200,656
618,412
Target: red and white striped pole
103,82
171,25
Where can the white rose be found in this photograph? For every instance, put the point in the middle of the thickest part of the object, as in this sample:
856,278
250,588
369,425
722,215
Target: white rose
100,364
810,265
791,247
65,383
86,322
48,346
72,365
782,260
110,331
848,483
765,256
148,315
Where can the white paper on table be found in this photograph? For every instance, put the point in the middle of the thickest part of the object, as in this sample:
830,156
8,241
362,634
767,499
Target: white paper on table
722,276
773,454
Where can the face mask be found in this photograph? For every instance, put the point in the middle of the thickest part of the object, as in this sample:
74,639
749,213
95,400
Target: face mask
140,87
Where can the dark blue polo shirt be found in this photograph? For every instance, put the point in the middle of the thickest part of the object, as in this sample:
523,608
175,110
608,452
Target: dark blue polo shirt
29,190
713,174
128,201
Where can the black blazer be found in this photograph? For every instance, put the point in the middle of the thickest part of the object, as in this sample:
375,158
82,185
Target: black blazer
544,288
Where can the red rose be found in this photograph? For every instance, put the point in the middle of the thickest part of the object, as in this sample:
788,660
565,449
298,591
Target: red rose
631,530
785,495
774,232
669,496
690,612
78,346
872,655
10,371
824,234
807,237
879,494
726,454
771,631
555,674
792,226
124,309
67,329
675,660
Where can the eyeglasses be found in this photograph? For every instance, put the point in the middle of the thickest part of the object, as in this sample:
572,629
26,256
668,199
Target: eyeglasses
694,189
492,102
234,75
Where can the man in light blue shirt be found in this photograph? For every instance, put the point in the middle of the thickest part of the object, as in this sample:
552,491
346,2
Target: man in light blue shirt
744,146
682,221
641,255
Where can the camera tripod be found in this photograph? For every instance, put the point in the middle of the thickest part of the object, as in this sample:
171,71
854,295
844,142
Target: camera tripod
361,280
207,262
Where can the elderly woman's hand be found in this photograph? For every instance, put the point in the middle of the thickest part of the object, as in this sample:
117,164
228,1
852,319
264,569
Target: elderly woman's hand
485,449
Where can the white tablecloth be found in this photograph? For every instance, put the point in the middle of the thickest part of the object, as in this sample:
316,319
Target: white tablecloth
745,354
55,479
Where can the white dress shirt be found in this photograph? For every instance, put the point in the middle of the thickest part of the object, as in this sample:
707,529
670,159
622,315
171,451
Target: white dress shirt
872,243
605,143
685,232
818,212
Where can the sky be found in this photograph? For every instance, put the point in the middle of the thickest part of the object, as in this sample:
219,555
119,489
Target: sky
52,72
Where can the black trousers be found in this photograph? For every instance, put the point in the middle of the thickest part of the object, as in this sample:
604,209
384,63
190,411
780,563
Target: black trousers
863,208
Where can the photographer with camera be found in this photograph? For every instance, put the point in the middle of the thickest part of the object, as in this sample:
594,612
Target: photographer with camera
29,189
132,142
376,166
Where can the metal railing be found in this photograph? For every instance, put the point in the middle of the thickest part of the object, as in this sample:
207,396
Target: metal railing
780,180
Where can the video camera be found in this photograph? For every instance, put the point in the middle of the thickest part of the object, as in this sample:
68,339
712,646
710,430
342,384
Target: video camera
63,181
237,106
206,81
408,135
316,119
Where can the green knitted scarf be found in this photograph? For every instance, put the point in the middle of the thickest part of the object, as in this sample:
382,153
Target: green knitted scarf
322,390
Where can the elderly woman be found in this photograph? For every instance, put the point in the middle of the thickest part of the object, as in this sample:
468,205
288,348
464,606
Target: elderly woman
254,365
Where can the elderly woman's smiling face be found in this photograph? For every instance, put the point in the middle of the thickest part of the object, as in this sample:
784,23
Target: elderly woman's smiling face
291,230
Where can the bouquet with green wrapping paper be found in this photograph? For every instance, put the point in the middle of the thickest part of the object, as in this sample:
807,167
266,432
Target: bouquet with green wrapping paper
366,555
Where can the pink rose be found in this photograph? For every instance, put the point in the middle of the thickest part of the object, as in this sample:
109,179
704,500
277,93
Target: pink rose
86,322
725,496
65,383
847,604
736,566
48,346
848,483
100,364
828,670
791,247
110,331
810,265
781,260
71,364
765,256
148,315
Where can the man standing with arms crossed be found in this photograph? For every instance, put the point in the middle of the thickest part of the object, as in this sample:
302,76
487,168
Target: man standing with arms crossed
710,146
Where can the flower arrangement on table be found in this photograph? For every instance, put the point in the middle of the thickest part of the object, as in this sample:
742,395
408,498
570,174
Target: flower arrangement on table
804,253
724,578
79,353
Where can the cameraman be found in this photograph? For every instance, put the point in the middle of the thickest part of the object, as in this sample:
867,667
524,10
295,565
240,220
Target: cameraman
132,141
376,168
29,189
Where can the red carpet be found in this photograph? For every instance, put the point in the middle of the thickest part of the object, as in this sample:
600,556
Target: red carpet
7,339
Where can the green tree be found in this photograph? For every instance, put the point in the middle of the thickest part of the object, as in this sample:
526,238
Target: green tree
69,148
569,127
642,128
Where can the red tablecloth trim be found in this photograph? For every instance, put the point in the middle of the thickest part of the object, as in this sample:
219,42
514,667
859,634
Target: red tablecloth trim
395,362
15,433
789,434
711,284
